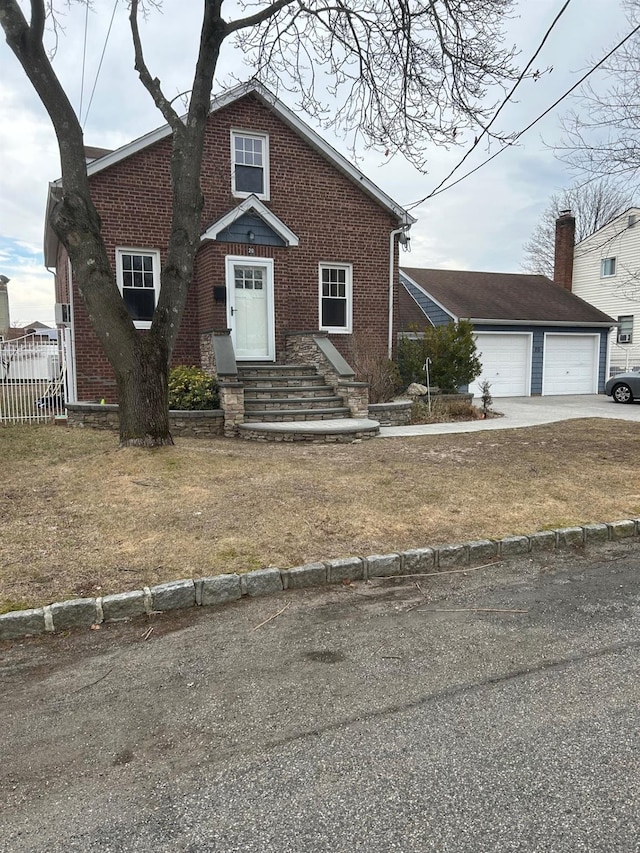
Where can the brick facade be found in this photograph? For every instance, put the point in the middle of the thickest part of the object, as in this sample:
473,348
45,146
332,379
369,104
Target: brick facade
335,220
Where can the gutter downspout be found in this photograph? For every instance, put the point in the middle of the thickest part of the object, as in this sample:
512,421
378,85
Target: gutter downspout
392,237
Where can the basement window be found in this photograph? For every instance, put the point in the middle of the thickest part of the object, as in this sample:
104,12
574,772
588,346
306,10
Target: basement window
607,267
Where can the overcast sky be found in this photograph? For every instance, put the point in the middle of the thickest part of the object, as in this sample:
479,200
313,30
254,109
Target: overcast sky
481,224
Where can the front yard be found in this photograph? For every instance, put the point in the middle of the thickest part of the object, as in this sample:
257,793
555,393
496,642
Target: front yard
80,517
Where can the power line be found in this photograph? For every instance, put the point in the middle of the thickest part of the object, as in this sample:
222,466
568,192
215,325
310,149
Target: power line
84,55
485,130
440,189
95,82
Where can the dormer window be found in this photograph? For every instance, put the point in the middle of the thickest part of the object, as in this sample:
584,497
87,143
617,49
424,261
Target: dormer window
607,267
249,164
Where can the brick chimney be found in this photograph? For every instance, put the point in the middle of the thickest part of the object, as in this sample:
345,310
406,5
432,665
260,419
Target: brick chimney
563,256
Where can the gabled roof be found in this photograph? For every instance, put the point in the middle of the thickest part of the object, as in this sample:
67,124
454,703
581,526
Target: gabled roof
515,298
290,118
621,217
252,202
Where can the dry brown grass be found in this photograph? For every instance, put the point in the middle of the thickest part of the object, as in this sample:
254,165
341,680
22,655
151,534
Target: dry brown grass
80,517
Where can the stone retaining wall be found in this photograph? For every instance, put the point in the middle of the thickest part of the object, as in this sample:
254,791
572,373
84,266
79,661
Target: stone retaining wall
183,424
175,595
395,413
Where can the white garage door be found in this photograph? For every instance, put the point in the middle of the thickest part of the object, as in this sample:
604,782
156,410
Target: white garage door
506,364
570,364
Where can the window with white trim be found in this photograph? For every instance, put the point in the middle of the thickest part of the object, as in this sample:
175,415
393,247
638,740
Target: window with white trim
607,267
625,329
336,297
138,276
249,164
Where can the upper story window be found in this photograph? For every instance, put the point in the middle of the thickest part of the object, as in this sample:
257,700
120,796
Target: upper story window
138,276
625,329
607,267
249,164
336,298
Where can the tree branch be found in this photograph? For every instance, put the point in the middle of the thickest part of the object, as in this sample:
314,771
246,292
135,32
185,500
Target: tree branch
151,84
258,18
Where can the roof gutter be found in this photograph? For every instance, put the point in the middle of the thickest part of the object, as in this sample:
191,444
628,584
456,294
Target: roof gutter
582,324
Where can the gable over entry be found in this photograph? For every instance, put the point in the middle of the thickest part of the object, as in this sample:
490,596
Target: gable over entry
251,217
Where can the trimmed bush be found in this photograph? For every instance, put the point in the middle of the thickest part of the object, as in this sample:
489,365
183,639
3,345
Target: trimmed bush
191,389
453,354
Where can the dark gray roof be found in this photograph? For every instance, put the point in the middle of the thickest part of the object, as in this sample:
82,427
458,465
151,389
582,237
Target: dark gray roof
504,296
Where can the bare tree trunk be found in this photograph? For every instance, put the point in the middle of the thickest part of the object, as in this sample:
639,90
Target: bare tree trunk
143,397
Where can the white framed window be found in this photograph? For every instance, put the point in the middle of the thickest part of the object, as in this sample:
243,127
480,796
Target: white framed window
138,277
249,164
625,329
336,288
607,267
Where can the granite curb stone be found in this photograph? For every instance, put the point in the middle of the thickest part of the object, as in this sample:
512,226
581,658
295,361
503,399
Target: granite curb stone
622,529
418,561
348,569
482,549
452,556
514,546
312,574
383,565
173,595
569,536
220,589
595,533
544,540
75,613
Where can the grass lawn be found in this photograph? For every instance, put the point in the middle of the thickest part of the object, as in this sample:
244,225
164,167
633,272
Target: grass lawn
80,517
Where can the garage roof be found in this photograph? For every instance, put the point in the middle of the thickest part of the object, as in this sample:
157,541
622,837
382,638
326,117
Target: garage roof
515,297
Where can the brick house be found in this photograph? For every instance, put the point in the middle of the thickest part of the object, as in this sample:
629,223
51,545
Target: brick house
295,239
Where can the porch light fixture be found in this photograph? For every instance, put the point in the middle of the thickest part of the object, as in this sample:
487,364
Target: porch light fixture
251,236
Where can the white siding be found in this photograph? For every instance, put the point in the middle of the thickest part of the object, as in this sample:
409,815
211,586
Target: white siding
616,295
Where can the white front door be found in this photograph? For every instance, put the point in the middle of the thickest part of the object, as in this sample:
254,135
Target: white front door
250,308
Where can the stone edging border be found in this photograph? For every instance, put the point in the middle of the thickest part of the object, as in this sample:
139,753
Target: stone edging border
220,589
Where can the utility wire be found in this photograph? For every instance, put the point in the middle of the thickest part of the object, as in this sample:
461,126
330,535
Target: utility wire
84,55
95,82
485,130
440,189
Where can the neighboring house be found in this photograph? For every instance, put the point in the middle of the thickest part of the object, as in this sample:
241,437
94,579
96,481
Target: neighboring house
294,239
604,270
533,337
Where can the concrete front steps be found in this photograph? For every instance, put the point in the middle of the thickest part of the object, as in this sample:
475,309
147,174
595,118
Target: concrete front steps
285,402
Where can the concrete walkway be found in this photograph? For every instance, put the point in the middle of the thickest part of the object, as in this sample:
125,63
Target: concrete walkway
527,412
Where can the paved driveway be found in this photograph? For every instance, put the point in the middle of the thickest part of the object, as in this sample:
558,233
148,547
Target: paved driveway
530,411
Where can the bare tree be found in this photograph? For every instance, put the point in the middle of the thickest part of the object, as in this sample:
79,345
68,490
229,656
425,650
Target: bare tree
407,73
602,135
593,205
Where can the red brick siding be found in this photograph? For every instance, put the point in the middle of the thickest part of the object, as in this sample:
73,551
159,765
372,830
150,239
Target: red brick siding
333,218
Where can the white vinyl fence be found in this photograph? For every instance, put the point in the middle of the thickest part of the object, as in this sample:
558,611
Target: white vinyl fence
31,380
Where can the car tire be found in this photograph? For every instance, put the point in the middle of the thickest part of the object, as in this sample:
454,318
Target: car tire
622,393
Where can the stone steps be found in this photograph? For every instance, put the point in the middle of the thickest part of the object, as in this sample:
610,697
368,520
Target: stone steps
293,402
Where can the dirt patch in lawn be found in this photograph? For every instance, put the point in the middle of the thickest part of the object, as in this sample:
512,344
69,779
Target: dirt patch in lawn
80,517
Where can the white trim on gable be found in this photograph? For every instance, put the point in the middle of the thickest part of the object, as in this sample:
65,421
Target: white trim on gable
289,117
429,296
252,202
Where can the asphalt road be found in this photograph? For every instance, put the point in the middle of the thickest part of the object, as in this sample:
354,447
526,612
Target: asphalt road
377,717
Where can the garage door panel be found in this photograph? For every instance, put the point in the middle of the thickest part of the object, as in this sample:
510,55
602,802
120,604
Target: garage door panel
506,364
570,364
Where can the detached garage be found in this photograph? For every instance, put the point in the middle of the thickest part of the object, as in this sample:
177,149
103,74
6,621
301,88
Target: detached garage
533,336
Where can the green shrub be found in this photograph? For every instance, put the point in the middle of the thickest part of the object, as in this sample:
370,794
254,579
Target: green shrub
453,353
192,389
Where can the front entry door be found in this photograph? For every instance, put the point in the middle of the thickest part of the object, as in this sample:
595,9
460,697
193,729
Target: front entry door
250,308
